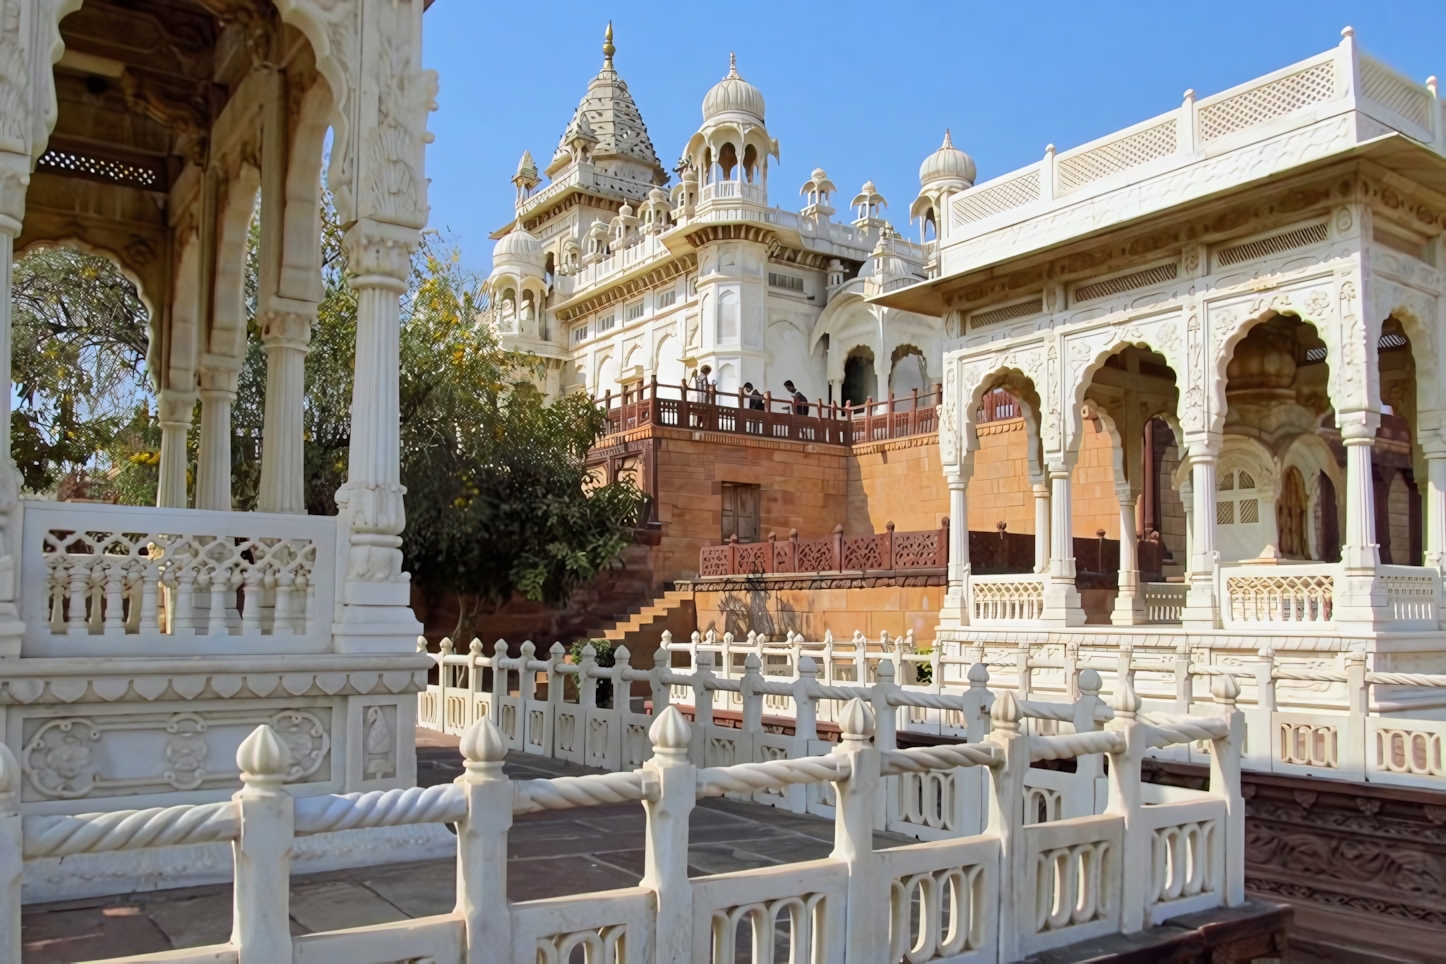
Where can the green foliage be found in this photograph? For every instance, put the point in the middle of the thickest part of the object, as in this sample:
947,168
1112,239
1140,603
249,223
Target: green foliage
924,672
602,655
78,338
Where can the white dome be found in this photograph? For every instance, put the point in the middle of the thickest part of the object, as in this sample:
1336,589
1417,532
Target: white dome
948,163
733,95
517,245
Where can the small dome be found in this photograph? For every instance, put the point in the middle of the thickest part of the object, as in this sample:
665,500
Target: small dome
517,245
948,163
658,196
626,210
733,95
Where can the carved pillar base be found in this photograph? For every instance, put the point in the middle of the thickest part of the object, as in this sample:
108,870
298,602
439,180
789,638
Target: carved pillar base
1130,603
1200,603
1361,602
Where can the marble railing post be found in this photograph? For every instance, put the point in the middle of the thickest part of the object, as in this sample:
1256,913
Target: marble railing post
805,725
665,862
376,594
1006,821
956,600
11,629
1200,602
1041,526
1130,603
213,457
1127,802
262,926
176,408
286,336
867,924
1360,598
1062,605
1435,511
1225,784
482,846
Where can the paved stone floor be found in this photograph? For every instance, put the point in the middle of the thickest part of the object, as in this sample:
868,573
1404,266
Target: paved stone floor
551,854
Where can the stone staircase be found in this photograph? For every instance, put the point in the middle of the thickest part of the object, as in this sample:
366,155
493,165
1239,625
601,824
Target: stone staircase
641,628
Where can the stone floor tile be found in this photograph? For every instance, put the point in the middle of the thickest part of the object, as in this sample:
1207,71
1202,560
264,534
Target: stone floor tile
563,876
193,921
723,859
335,904
64,936
417,890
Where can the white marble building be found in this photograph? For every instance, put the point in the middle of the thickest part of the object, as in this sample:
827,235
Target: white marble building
616,272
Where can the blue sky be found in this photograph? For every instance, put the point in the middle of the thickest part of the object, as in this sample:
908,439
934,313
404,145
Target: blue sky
863,90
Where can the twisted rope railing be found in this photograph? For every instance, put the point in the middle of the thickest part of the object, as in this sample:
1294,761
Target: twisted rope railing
1310,675
1405,679
130,829
932,701
1070,745
751,777
1034,709
1187,731
564,793
380,808
924,758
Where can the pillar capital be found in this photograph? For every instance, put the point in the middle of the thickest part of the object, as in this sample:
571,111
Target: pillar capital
380,254
176,407
287,323
1358,426
218,383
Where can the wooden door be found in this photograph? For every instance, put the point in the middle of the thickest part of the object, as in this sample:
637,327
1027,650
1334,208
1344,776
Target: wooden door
740,511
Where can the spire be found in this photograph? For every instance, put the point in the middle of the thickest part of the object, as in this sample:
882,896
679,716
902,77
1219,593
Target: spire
608,48
948,141
733,65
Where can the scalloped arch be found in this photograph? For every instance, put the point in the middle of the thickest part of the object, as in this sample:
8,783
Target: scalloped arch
1130,336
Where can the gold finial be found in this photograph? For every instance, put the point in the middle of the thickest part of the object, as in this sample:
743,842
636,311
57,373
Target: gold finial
608,48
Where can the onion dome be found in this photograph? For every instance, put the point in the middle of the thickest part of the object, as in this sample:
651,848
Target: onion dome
733,95
948,163
518,252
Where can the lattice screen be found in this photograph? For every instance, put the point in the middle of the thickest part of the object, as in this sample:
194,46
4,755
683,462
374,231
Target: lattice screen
1275,244
977,205
1127,282
1121,155
1314,85
1385,88
995,316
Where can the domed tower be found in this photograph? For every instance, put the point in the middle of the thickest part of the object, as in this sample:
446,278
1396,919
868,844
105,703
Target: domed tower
730,151
518,284
728,156
943,174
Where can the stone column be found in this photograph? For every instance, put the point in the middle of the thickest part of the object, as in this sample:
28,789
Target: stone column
956,601
1130,603
1435,512
1187,501
175,418
1200,597
11,629
1062,605
1041,527
376,593
213,459
1360,597
286,336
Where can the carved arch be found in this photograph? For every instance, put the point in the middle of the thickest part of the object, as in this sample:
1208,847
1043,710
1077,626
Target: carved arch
227,338
974,382
1130,336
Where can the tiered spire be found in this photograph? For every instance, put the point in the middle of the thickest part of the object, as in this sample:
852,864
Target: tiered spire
608,113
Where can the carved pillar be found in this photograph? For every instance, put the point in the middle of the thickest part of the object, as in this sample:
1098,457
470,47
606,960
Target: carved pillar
1435,506
287,338
1062,605
11,629
1361,599
375,616
213,457
1200,597
1187,502
1130,603
175,418
956,601
1041,527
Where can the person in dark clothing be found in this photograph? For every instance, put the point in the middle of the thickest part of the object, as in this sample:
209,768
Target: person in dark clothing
755,397
800,400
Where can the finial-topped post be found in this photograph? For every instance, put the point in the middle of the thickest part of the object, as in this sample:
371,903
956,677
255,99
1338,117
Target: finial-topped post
672,782
263,849
12,853
608,48
482,837
867,929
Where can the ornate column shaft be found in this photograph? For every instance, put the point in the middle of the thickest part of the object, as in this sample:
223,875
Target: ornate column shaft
1062,605
1200,602
175,417
1129,604
286,336
1435,507
11,629
1041,527
213,457
956,600
375,613
1361,600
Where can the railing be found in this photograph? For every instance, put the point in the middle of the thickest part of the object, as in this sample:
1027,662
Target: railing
106,580
1311,715
1412,593
727,190
888,551
1084,877
1305,93
766,417
1274,596
1164,602
1004,599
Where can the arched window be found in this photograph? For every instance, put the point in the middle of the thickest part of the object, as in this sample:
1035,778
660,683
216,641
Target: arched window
728,317
728,160
750,162
1290,516
859,382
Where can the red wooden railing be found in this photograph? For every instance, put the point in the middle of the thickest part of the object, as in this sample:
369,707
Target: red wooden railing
681,406
996,405
885,551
